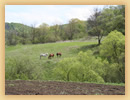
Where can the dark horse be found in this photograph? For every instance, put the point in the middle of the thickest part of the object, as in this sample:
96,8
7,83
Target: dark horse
50,55
58,54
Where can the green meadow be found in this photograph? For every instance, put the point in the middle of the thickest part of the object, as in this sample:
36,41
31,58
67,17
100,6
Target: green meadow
23,61
81,61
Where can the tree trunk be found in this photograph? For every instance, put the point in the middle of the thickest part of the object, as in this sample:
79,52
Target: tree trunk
99,41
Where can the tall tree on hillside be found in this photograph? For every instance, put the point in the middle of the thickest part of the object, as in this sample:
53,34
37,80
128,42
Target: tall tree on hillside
113,18
119,20
23,34
44,29
75,27
56,29
71,28
94,24
33,33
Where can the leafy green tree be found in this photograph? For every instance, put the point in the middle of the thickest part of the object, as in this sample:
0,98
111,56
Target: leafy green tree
94,24
34,34
119,22
109,19
75,26
11,37
113,18
56,30
113,48
43,31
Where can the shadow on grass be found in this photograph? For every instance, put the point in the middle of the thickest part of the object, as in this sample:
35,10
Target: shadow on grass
88,47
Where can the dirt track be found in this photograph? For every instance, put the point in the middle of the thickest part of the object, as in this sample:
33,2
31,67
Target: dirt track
21,87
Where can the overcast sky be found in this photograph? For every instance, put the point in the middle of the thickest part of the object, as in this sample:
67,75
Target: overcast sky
50,14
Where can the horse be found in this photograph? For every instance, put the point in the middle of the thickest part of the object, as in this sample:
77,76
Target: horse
44,55
58,54
50,55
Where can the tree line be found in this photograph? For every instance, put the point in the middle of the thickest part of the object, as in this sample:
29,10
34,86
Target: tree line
99,24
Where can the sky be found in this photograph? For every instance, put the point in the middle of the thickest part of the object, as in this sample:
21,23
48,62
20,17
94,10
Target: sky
49,14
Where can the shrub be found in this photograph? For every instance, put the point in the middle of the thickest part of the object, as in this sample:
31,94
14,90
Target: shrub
80,69
21,68
113,49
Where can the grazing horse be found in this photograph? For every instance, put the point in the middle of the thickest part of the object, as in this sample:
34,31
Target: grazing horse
50,55
58,54
44,55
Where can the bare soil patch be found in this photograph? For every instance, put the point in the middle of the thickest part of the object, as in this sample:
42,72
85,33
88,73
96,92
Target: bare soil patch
21,87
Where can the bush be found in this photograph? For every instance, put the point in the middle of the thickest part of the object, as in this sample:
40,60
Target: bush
113,49
21,68
79,69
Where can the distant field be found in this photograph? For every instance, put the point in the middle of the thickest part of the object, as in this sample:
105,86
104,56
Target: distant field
68,49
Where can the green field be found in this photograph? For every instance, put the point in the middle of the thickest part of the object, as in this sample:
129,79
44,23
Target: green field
23,61
80,62
68,49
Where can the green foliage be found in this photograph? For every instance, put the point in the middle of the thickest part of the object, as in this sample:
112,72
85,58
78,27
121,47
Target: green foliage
113,18
16,33
19,69
105,63
79,69
23,62
113,48
98,24
103,22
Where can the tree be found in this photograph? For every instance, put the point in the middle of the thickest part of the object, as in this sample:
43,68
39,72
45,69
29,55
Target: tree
113,18
113,49
55,29
119,22
75,27
33,33
94,24
11,37
109,19
43,31
23,35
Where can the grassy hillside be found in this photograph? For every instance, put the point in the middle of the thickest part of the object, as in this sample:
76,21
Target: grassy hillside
26,58
81,61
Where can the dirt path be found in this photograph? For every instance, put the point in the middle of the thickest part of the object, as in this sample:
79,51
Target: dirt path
21,87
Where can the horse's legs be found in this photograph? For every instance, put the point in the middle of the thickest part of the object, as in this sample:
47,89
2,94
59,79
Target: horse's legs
57,55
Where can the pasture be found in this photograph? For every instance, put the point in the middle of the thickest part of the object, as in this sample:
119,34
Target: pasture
23,61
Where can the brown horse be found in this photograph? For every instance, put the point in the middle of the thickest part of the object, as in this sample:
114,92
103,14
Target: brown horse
50,55
58,54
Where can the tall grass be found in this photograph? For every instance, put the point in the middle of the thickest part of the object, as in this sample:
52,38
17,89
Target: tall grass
23,61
